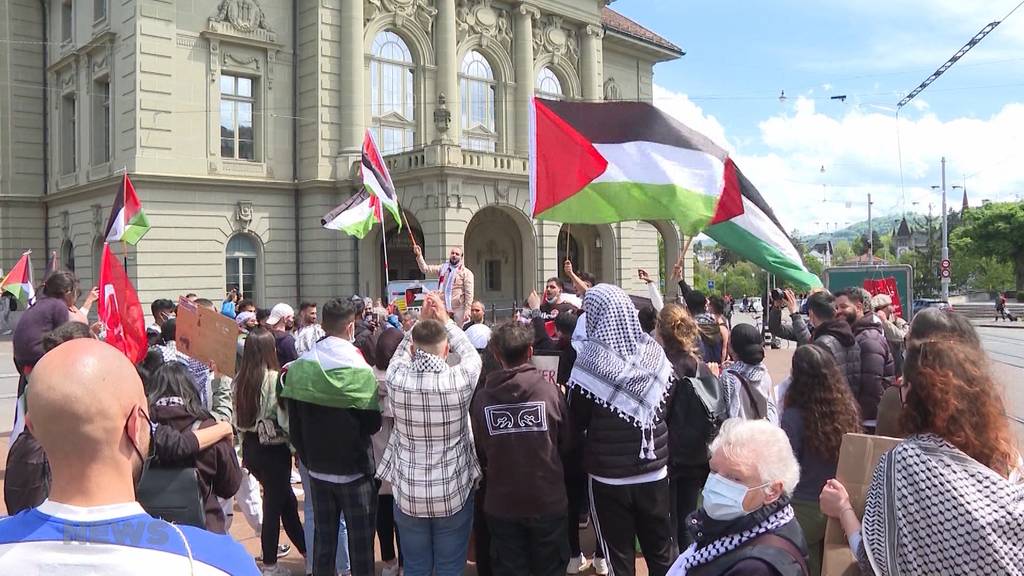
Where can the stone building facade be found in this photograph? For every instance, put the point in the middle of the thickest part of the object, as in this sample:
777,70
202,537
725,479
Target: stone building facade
240,122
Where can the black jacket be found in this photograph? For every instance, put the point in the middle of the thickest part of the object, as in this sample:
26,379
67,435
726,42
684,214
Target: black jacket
756,557
691,427
835,336
365,339
332,440
877,366
611,445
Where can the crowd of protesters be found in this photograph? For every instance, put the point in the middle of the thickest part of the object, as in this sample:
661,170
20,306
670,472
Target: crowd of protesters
428,430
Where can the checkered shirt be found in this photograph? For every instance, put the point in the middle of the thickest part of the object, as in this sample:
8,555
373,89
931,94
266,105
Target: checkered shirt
429,459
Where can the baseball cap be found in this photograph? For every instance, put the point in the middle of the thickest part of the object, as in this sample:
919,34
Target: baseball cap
279,312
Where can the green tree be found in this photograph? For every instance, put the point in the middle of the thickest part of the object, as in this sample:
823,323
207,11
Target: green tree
997,230
842,252
814,266
860,243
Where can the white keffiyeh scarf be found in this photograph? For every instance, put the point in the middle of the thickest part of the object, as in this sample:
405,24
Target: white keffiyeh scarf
694,556
620,366
446,280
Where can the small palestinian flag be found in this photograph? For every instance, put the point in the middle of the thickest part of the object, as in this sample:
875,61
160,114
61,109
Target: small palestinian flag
364,209
128,223
19,280
598,163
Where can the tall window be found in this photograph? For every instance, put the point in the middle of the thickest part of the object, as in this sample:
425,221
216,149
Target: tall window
99,9
67,254
237,137
391,93
68,133
240,266
101,122
67,20
548,85
478,113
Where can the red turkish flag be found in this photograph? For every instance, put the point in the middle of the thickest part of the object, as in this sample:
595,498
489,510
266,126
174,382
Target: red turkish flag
120,310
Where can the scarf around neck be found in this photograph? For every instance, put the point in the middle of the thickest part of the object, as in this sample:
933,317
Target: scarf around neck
618,365
446,280
735,534
936,510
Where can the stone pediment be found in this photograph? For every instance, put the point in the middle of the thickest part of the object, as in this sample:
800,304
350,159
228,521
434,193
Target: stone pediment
242,19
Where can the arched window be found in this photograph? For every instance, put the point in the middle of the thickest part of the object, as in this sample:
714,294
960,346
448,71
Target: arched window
476,82
67,255
548,85
391,93
240,263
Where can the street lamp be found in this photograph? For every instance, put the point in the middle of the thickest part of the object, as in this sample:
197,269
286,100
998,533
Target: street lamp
945,232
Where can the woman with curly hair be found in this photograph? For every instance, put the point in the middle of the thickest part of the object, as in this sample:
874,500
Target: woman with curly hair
948,499
819,409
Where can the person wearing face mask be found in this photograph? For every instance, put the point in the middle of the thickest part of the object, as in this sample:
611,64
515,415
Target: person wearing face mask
96,431
949,499
333,411
454,281
554,301
746,525
430,461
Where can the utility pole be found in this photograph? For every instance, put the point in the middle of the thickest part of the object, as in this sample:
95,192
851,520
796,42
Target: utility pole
945,234
871,236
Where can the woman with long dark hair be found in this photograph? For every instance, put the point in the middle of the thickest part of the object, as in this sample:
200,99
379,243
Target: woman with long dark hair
819,409
948,499
267,458
173,401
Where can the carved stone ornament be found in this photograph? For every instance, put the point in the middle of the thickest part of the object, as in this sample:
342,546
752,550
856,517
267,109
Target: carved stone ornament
242,18
420,11
65,224
481,17
552,36
611,89
243,215
243,61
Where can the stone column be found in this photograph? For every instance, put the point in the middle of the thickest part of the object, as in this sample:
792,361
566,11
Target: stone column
592,63
448,66
525,78
353,113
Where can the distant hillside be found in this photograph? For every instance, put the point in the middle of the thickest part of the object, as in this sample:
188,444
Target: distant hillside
883,224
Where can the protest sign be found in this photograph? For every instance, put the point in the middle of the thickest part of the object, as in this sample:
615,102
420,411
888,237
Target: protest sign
547,363
858,457
207,336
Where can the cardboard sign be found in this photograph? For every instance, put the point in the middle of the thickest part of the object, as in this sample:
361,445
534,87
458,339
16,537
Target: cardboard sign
548,366
207,336
858,457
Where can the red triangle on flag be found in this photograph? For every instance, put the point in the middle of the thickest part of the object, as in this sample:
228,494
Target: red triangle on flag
730,203
564,161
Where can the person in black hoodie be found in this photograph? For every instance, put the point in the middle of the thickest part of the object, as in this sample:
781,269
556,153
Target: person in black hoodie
877,365
834,334
333,410
521,422
617,391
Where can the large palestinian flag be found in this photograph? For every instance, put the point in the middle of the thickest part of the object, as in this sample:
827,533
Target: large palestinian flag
18,280
360,212
333,373
128,223
596,163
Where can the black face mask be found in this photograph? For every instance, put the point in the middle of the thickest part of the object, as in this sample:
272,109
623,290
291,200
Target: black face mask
147,459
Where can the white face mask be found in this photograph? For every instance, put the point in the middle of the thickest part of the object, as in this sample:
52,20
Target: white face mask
723,498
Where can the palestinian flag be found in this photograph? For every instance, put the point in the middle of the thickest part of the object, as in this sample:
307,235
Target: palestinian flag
364,209
598,163
128,223
333,373
19,280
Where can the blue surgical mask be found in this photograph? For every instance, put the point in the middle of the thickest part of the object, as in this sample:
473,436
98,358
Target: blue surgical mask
723,498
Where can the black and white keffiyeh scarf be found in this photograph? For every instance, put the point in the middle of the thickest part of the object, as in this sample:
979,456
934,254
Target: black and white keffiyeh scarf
932,509
620,366
694,556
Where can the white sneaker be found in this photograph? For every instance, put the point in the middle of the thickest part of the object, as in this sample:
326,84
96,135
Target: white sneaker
578,564
391,569
276,570
601,566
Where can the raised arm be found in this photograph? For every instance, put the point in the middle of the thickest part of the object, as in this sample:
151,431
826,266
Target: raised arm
425,268
577,282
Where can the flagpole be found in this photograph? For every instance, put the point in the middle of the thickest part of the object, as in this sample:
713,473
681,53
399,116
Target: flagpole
384,245
408,227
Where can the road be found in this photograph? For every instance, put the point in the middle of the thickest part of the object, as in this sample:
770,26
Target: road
1005,347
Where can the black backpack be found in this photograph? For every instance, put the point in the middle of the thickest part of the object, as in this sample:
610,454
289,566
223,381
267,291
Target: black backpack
698,411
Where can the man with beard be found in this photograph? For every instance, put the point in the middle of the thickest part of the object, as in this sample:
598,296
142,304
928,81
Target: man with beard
454,281
96,432
476,315
555,301
877,365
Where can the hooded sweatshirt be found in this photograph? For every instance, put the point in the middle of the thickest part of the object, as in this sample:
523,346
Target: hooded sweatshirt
521,429
837,337
877,366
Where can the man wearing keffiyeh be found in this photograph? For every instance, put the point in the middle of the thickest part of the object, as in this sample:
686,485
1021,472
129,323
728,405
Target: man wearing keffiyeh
618,389
454,281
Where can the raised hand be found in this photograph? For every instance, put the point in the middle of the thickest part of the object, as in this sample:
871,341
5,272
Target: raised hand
644,276
417,251
533,300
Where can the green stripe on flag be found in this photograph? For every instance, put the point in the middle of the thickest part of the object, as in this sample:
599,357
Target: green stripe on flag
609,202
135,229
307,381
752,248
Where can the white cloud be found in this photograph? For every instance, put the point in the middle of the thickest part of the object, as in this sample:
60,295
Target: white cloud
860,155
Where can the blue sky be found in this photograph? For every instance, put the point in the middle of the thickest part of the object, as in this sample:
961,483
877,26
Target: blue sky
739,60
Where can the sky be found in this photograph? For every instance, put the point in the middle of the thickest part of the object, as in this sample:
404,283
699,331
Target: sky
816,159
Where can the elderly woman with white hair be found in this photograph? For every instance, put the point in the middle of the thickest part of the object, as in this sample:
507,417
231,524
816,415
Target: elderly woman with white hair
746,526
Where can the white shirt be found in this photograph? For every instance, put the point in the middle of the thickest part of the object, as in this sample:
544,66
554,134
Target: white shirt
119,539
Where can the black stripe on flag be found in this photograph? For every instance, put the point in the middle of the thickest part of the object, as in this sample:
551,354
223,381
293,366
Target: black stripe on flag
356,199
385,184
751,194
619,122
